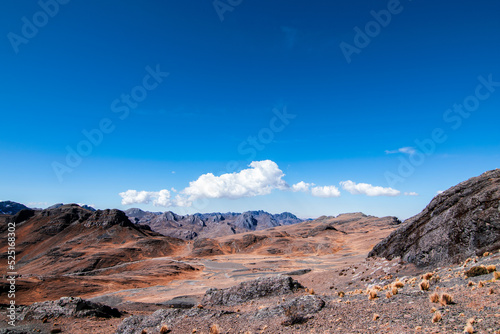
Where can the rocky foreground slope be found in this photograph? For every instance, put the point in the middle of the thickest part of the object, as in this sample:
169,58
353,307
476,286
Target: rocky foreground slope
390,301
462,221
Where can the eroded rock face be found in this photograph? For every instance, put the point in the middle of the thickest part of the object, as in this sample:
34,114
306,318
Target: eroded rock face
461,222
245,291
68,307
299,306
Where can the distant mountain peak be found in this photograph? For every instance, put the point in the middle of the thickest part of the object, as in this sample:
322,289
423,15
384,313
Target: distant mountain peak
11,208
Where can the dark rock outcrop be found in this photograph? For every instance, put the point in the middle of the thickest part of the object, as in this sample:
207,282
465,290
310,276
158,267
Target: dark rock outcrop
245,291
461,222
68,307
23,215
108,218
302,306
151,323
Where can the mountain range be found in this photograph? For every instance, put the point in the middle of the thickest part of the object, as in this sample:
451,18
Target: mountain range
187,227
209,225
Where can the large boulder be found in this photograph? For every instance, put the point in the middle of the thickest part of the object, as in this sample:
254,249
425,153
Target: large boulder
68,307
258,288
461,222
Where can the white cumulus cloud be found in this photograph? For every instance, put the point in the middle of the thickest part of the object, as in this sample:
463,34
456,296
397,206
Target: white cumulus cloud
326,191
368,189
158,198
411,193
301,186
260,179
407,150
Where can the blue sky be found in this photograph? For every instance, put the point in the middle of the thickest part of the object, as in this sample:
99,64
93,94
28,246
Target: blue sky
170,91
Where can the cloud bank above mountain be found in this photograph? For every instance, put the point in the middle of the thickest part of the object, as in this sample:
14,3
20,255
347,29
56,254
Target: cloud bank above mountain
261,178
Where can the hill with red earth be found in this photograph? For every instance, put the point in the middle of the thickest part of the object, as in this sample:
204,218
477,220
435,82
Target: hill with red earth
70,250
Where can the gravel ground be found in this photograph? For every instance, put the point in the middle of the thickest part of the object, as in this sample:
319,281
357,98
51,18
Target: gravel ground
409,311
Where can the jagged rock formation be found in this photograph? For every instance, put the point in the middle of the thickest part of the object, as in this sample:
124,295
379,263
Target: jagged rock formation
258,288
462,221
209,225
108,218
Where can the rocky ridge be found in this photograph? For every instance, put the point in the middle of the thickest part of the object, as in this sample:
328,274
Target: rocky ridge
461,222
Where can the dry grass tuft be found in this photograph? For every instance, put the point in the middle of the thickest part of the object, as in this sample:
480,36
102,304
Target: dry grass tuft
491,268
476,271
424,285
388,294
469,329
394,290
164,329
496,275
341,294
434,298
214,329
446,299
437,317
372,294
433,310
471,321
491,291
398,284
480,284
427,276
375,316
